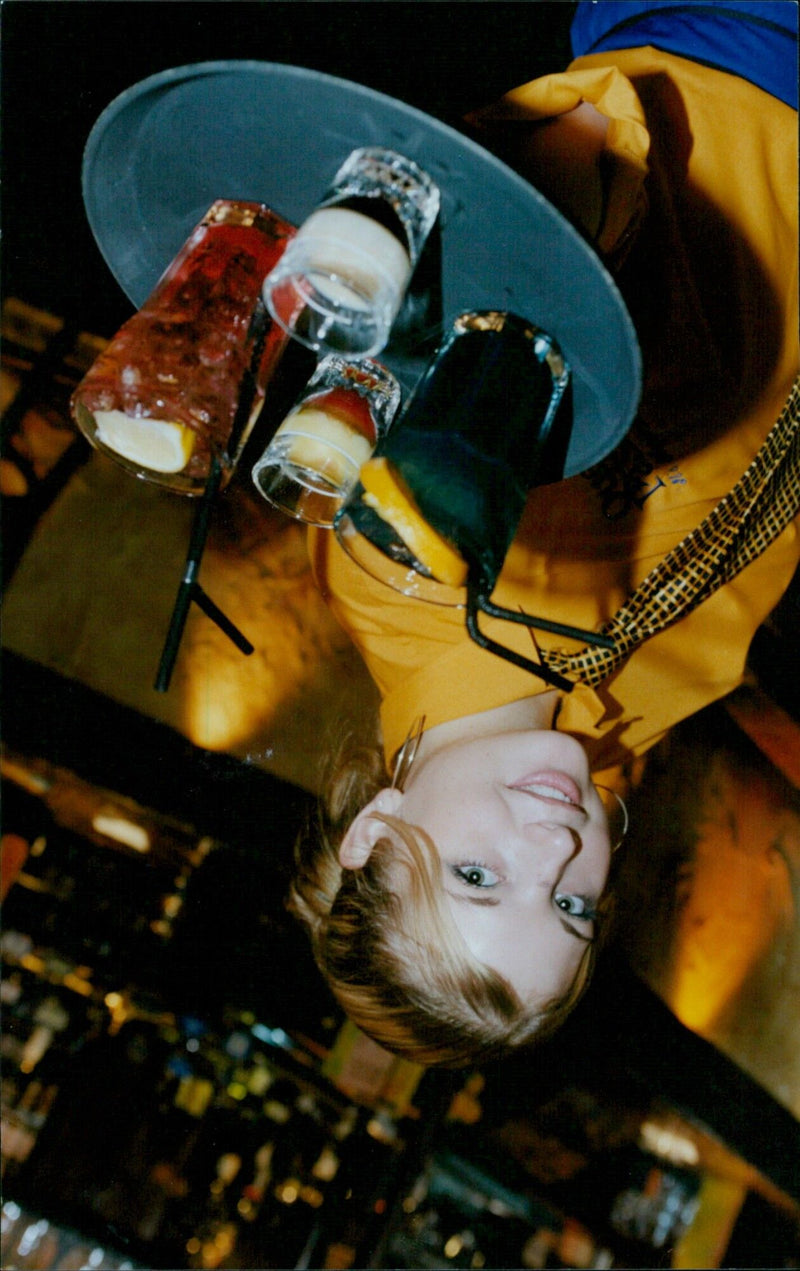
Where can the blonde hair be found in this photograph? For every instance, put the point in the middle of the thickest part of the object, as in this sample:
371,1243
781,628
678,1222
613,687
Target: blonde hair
385,940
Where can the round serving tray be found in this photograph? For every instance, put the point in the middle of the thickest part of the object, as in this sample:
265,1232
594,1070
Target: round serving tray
165,149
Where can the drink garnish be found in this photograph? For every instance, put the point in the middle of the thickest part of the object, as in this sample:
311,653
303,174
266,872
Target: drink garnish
348,405
156,444
321,440
387,494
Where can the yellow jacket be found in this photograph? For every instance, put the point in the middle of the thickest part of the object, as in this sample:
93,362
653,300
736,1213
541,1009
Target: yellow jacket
702,193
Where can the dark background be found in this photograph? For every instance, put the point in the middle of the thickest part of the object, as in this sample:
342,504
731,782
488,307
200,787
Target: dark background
64,61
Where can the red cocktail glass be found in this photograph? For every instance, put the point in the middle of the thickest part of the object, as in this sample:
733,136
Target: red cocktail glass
183,380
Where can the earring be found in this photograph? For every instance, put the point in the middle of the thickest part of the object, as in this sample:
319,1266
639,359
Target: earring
625,818
407,753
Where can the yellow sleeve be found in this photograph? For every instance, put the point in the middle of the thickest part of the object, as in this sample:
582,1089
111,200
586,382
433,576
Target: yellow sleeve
627,141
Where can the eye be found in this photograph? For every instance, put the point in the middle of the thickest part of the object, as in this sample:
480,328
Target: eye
476,875
575,906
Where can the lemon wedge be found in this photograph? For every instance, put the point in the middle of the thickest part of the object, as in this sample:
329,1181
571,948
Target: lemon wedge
326,445
155,444
387,494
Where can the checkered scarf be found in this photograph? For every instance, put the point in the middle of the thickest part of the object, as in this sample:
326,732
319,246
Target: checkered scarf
735,533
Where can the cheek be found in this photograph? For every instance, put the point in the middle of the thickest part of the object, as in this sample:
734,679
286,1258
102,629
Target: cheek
456,817
601,856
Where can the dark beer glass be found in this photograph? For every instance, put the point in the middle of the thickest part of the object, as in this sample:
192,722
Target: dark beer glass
490,419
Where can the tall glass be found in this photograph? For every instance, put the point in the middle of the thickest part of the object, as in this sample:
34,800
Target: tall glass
339,286
184,379
313,461
444,493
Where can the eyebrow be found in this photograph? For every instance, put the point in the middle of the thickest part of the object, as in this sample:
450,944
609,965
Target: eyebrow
577,934
473,900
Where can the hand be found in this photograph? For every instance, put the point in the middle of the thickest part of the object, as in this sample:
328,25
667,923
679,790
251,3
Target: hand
561,156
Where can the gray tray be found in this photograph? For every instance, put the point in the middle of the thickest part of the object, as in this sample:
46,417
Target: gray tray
165,149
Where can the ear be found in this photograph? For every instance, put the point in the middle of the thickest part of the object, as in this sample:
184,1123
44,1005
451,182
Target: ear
357,844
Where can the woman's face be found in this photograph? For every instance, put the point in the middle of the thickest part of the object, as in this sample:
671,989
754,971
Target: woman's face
523,840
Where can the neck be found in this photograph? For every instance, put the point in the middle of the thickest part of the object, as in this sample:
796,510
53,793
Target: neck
528,713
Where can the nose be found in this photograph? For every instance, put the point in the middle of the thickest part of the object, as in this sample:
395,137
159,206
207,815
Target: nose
550,847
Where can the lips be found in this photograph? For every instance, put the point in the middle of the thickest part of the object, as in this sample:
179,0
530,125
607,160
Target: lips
558,786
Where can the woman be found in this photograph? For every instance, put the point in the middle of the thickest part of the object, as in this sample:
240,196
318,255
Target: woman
454,907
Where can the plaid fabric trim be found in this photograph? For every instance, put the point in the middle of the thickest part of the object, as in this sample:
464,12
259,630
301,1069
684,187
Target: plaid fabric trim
735,533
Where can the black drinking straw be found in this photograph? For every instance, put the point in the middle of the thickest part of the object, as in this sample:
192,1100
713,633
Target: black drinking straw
190,589
479,602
